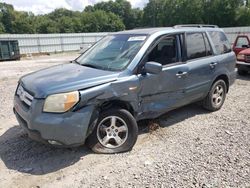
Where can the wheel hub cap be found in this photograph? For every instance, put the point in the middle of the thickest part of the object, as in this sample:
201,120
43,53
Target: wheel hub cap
112,132
218,95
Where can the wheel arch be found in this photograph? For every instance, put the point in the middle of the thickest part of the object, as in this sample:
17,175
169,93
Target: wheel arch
223,77
117,104
107,105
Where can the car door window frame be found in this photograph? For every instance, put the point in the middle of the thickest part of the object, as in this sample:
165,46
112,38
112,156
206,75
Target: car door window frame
179,51
205,37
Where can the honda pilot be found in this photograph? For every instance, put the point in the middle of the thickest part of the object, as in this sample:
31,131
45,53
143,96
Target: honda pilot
127,76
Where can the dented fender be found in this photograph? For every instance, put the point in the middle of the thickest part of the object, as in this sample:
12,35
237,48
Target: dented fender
124,89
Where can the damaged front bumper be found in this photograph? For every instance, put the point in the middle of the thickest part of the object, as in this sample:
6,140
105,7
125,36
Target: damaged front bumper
66,129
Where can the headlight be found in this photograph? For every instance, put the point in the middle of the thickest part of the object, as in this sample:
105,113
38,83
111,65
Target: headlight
61,102
241,57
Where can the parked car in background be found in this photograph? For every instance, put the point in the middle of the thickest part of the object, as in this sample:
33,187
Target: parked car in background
125,77
242,51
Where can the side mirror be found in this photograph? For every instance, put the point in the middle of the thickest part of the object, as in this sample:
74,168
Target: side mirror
152,68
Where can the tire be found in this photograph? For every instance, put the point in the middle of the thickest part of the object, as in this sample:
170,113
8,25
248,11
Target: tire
116,131
242,72
216,96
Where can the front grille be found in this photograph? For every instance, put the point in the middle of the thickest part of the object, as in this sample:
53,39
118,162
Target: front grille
247,58
24,96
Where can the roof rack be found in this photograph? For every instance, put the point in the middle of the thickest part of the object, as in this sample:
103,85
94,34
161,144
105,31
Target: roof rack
142,28
196,25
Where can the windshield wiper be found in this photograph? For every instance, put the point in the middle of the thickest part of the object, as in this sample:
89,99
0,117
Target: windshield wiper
91,66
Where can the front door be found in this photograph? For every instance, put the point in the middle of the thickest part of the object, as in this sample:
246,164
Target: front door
162,92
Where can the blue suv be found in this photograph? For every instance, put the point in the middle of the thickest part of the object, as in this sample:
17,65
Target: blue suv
127,76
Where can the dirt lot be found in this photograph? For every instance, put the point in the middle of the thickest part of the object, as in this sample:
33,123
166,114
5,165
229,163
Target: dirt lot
191,148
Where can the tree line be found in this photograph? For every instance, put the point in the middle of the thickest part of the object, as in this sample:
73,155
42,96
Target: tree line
119,15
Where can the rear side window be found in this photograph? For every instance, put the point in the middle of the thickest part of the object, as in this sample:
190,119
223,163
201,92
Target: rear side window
195,46
220,41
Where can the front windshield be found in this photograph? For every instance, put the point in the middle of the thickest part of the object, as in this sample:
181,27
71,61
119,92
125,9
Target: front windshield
113,53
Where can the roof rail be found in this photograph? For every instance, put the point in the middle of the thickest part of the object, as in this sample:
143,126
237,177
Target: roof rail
196,25
142,28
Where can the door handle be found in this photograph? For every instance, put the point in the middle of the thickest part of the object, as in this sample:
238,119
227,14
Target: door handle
213,65
181,74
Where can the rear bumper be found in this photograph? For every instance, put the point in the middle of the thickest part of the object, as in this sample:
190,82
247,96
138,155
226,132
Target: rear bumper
243,66
66,129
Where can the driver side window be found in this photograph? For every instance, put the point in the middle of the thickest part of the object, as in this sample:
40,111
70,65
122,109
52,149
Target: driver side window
165,52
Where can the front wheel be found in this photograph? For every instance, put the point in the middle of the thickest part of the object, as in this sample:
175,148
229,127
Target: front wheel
115,132
216,96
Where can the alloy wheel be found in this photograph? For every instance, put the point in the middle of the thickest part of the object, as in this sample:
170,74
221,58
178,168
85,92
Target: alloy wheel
112,132
218,95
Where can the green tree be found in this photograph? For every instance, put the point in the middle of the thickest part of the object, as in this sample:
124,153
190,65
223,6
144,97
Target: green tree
119,15
66,25
60,12
100,21
122,8
7,16
156,13
45,25
15,21
65,19
59,21
221,12
2,29
243,16
188,12
135,19
23,22
171,12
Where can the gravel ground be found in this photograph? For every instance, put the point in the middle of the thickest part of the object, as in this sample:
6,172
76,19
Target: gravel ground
189,148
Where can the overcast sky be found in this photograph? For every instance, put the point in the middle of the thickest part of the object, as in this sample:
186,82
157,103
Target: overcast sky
46,6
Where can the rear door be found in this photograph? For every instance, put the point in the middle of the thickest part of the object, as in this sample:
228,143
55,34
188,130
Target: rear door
201,65
224,54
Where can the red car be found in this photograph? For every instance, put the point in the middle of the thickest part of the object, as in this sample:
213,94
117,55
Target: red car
241,48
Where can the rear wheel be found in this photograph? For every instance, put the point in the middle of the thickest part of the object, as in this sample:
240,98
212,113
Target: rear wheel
116,131
216,96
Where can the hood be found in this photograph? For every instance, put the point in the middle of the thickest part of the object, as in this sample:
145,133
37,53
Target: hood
245,52
65,78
